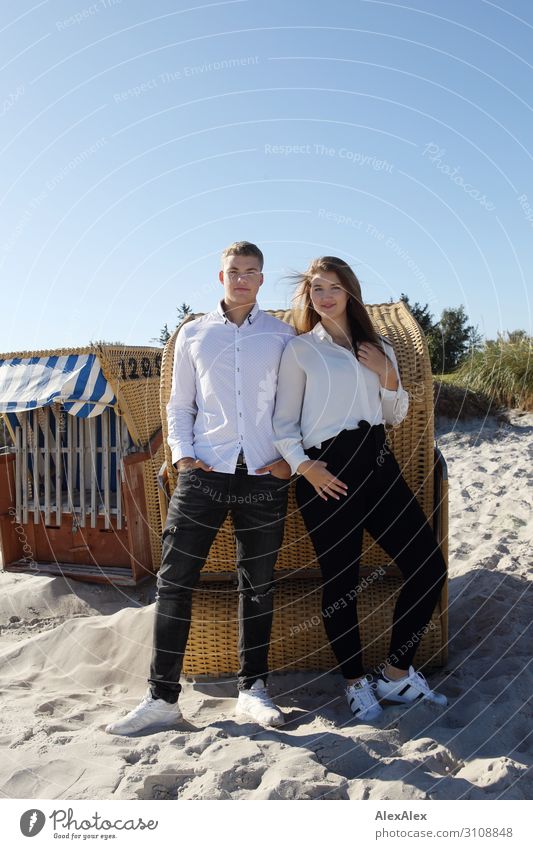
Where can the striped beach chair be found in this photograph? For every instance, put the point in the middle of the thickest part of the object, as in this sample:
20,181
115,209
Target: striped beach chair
78,484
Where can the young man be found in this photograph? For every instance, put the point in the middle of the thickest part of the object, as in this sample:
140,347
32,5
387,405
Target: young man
220,432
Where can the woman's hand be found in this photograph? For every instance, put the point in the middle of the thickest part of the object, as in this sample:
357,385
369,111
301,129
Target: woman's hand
316,472
376,360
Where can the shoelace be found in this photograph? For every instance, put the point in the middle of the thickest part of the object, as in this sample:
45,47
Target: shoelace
262,695
365,694
421,682
140,707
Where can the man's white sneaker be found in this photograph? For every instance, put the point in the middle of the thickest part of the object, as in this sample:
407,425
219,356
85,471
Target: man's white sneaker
149,712
362,700
256,704
411,688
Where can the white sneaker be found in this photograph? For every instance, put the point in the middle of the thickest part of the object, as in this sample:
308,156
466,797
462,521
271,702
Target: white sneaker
149,712
411,688
362,700
255,703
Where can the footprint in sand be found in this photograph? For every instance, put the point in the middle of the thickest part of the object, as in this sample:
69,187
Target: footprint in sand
60,704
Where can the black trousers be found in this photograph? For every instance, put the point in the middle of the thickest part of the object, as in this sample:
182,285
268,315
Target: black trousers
198,507
380,500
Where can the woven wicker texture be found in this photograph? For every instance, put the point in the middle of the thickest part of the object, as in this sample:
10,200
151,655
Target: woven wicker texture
411,442
298,637
135,375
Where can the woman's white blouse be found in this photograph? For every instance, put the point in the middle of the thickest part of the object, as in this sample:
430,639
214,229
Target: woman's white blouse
322,389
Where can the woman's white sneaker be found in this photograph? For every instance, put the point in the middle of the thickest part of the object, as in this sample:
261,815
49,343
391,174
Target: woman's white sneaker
148,713
256,704
362,700
411,688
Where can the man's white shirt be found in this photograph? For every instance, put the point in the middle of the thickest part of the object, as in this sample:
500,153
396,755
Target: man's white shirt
224,388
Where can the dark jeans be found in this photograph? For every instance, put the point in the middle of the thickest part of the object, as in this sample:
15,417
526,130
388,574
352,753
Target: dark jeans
380,500
198,507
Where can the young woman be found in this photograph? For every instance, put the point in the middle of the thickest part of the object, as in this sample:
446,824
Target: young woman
338,383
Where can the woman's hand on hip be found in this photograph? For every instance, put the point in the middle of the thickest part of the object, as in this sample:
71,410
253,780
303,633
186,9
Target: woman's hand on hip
325,484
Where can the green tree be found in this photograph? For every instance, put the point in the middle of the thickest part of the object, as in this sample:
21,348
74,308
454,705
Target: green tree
450,339
164,334
453,339
183,312
420,313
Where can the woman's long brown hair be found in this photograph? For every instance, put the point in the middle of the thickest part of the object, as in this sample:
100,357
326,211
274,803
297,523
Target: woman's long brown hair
306,317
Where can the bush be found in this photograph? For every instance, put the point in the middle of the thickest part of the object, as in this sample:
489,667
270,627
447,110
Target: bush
502,371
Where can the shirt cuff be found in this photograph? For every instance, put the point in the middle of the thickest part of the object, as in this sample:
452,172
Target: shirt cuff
295,459
182,449
389,393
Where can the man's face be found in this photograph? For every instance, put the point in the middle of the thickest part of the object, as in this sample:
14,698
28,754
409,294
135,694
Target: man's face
241,277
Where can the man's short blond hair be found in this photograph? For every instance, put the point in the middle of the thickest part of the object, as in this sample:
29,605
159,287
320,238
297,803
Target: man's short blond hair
243,249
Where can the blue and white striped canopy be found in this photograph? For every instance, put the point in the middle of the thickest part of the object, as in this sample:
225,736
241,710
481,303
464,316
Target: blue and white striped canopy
75,380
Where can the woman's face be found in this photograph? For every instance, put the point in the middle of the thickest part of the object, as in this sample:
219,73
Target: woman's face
328,296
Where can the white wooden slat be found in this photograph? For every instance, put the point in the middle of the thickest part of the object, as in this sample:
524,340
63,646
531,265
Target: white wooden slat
24,471
35,464
59,463
18,473
70,464
105,466
118,457
93,450
47,459
81,444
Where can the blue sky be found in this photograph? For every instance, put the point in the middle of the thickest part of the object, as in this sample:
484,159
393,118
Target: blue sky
138,139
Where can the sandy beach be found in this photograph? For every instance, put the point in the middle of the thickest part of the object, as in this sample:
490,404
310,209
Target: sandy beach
74,656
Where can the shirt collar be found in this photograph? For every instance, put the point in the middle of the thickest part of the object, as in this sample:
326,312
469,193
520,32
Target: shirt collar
250,318
320,331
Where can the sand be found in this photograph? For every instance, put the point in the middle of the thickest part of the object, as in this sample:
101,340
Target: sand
75,656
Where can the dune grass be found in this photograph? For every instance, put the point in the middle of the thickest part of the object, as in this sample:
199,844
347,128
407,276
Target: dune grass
502,371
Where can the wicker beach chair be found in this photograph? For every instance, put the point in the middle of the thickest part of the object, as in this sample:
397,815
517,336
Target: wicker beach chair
78,487
298,638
